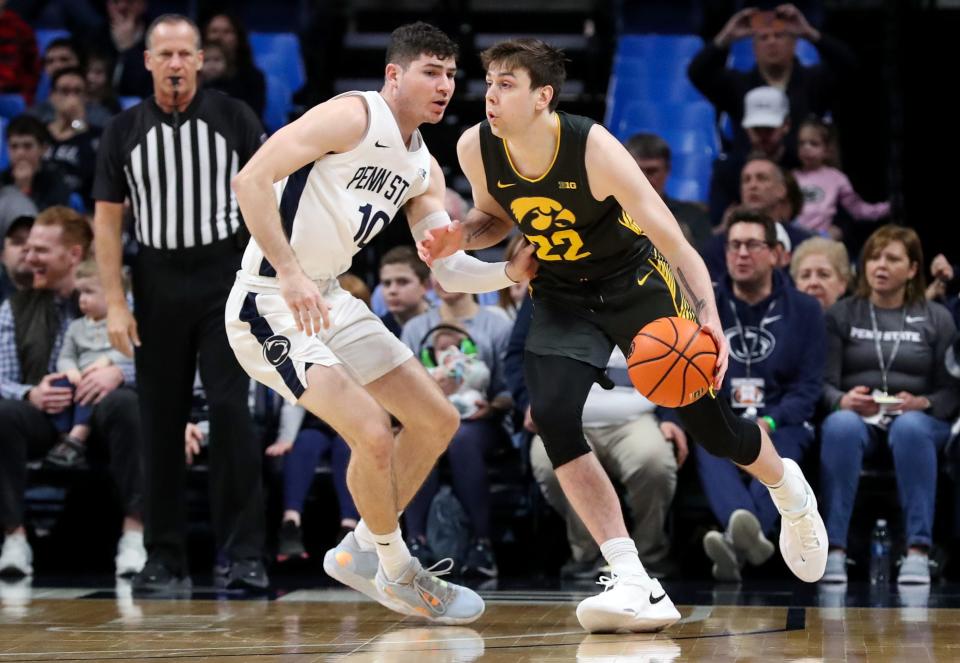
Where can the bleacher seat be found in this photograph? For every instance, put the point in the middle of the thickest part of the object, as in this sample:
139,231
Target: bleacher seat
665,115
684,189
12,104
4,161
278,54
673,47
623,91
45,36
279,103
741,54
649,67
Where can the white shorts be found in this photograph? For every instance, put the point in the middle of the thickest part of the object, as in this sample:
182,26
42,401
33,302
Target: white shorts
264,336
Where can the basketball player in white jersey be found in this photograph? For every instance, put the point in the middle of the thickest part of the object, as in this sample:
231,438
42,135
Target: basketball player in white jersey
312,196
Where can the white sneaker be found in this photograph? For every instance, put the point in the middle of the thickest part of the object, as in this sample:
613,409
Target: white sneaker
16,557
131,555
747,537
15,597
634,603
803,536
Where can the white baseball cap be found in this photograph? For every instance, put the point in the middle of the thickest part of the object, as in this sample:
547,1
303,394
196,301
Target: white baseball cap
783,237
765,107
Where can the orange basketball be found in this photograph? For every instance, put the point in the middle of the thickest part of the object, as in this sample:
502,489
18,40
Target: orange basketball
672,361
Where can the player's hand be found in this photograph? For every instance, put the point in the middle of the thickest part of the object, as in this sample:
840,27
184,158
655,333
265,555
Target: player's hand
523,265
715,329
441,242
48,398
736,28
122,328
306,303
673,433
860,401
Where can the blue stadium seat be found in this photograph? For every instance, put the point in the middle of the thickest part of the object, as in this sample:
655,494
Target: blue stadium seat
673,47
12,104
691,166
741,54
127,102
44,37
278,54
622,91
683,189
650,67
662,115
4,161
279,103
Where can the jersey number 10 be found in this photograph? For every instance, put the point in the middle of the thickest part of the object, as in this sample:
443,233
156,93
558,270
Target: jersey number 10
369,223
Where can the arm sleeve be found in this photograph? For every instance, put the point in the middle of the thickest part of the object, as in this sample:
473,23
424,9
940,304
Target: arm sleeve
799,401
945,397
10,385
69,351
832,393
291,418
110,184
856,206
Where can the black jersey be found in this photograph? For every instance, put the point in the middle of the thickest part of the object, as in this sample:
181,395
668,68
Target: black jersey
578,238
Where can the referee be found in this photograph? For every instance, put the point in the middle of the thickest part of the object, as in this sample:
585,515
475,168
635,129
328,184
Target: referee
173,156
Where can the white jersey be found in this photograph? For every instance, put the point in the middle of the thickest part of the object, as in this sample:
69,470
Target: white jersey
333,207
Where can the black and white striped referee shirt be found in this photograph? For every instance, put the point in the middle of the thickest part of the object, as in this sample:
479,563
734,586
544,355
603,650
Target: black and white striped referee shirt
178,180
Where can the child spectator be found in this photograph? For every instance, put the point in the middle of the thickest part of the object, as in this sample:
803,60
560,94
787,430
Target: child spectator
824,185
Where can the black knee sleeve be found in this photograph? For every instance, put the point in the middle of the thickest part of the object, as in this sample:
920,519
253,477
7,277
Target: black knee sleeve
558,387
715,427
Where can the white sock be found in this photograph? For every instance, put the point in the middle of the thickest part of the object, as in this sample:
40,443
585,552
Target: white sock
364,536
393,553
790,494
621,555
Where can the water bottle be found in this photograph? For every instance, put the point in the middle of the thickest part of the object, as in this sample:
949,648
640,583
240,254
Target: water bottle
880,554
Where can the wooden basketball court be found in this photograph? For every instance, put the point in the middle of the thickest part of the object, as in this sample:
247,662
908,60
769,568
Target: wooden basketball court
56,624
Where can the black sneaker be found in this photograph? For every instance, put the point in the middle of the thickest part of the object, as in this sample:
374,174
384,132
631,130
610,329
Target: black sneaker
67,454
479,560
290,542
421,550
248,574
157,577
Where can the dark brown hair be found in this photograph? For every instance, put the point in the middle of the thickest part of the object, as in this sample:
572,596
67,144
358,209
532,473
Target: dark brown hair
406,255
545,64
883,236
648,146
747,215
828,134
408,42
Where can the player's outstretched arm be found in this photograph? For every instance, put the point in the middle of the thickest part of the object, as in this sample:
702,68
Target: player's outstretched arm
334,126
613,172
459,272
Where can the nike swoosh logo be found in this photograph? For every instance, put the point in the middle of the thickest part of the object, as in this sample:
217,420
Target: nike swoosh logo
377,143
654,601
910,319
772,318
640,282
501,185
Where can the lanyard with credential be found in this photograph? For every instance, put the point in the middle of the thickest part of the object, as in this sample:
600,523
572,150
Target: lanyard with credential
748,352
885,366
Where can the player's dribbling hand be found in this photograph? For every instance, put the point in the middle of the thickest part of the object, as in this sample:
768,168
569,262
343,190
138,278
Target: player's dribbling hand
441,242
723,352
122,329
523,265
306,303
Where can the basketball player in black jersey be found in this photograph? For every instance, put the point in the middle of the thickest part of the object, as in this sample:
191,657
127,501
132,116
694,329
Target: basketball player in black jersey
612,258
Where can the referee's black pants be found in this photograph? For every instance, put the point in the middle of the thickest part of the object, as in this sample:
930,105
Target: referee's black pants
179,299
28,434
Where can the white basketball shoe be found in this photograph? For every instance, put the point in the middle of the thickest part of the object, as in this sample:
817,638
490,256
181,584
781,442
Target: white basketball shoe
803,536
634,603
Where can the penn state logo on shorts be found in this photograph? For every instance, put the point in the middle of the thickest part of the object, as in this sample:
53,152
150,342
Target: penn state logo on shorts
276,348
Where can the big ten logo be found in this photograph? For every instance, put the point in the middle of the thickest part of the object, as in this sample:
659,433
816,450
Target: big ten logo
549,225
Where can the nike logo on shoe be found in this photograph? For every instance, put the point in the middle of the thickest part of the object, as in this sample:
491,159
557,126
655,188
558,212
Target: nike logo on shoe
377,143
654,601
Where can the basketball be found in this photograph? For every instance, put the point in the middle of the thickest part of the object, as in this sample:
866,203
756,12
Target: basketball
672,361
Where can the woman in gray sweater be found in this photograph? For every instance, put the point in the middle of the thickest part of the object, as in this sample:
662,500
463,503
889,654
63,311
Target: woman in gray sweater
886,383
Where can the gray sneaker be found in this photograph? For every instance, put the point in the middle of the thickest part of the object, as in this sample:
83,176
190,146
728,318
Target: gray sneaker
914,570
420,592
836,570
356,568
747,538
726,561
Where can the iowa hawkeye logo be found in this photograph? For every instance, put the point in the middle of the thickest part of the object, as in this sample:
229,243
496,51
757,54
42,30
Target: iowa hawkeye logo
550,226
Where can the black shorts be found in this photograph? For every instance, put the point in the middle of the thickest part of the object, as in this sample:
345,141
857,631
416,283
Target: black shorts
583,321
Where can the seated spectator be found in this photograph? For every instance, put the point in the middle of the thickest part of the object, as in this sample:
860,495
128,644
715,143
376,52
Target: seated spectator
241,78
511,298
214,63
487,331
73,141
943,287
125,36
41,181
811,89
767,123
820,267
19,66
33,325
13,205
652,154
15,272
777,344
64,53
86,346
99,84
303,440
404,281
886,383
824,185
